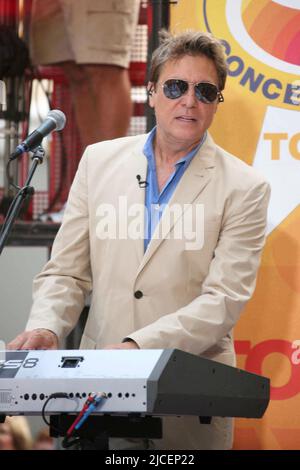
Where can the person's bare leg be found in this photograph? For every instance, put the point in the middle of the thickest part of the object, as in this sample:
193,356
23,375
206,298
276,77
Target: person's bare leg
83,100
111,85
101,99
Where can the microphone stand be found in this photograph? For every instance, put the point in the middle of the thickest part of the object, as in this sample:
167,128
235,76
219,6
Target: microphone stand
26,191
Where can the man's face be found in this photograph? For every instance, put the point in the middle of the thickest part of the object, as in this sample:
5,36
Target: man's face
184,120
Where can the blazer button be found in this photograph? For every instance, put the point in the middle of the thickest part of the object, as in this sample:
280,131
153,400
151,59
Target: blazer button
138,294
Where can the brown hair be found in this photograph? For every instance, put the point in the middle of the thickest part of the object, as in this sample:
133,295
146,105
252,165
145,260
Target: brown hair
194,43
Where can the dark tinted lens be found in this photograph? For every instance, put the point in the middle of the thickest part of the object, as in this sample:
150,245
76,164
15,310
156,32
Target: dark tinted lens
175,88
206,92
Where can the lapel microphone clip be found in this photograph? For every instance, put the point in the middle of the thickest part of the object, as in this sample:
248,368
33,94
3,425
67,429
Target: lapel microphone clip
142,184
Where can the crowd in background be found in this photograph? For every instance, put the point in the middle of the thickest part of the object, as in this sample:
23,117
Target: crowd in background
15,434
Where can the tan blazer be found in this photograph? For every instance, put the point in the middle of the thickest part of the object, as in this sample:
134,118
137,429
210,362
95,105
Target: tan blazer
191,299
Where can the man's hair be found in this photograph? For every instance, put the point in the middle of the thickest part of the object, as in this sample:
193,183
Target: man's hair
194,43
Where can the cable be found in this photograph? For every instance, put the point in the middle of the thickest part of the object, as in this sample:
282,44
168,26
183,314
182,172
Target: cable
53,395
89,406
10,209
9,178
85,407
66,443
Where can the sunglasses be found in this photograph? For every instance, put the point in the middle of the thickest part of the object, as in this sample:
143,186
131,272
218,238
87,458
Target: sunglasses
205,92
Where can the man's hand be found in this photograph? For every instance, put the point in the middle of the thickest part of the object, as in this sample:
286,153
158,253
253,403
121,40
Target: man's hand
126,345
35,339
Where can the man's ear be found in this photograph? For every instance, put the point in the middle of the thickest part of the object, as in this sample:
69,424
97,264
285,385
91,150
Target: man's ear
150,91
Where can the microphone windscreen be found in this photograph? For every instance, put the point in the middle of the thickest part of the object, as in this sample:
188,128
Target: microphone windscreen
59,117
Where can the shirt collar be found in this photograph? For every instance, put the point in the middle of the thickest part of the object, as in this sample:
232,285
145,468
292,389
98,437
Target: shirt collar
149,151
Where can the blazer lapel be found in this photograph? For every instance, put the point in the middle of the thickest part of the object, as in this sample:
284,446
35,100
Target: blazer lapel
137,166
192,183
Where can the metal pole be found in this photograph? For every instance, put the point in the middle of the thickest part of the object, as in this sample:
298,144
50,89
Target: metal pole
160,19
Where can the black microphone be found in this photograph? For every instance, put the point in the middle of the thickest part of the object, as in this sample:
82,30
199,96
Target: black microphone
142,184
55,121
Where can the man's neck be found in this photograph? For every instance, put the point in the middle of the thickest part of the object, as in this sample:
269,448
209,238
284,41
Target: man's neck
168,153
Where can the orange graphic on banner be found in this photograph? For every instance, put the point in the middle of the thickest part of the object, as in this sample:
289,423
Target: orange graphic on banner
259,123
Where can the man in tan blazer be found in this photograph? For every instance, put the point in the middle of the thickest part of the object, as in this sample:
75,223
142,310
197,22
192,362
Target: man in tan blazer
180,280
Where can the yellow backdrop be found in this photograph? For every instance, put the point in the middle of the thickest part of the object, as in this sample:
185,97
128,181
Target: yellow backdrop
259,122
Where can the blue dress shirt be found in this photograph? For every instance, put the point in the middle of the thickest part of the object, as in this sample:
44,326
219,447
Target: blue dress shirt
156,201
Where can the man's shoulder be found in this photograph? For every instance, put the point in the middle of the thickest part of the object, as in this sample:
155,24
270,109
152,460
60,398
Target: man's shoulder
237,169
112,154
114,145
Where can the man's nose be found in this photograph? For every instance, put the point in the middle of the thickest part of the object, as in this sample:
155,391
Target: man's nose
189,98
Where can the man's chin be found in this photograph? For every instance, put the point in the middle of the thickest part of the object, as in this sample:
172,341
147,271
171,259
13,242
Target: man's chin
188,136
